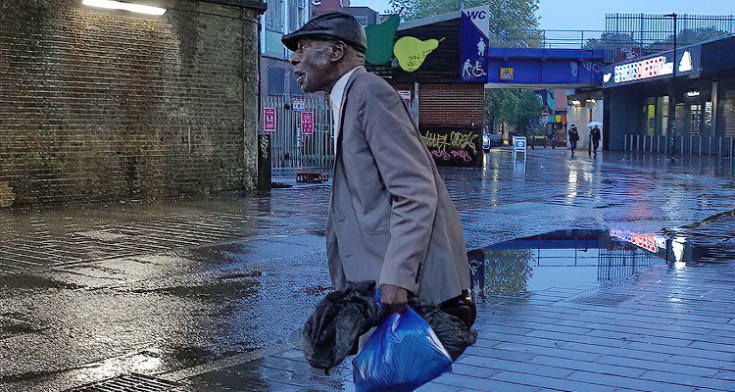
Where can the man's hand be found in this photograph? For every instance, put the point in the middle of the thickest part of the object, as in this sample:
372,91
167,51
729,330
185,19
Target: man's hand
393,298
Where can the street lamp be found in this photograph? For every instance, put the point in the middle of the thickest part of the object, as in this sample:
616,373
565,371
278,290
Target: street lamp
672,95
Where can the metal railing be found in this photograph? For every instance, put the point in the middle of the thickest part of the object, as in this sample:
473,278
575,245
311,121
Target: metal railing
684,145
295,147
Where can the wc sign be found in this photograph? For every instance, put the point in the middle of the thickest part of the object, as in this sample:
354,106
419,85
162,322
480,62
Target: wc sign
475,43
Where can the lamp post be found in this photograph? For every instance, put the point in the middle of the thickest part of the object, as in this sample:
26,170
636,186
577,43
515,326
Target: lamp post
672,95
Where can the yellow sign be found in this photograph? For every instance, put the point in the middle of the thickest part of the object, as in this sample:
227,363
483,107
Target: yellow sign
411,52
506,73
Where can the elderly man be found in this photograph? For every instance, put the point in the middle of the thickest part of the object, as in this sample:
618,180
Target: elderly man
391,219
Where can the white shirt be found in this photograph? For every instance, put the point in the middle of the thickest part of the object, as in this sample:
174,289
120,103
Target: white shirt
335,101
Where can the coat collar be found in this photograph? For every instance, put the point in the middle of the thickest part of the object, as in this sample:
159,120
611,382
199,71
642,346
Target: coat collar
345,98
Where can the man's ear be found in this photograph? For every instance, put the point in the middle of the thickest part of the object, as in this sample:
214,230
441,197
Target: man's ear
339,49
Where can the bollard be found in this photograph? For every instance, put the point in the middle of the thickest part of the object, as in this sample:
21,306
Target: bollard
691,144
700,146
625,142
682,145
709,146
720,147
638,142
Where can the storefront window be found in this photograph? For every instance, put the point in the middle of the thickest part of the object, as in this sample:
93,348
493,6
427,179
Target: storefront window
695,119
662,106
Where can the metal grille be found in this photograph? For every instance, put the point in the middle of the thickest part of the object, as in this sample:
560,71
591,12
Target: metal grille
602,299
291,147
130,383
642,34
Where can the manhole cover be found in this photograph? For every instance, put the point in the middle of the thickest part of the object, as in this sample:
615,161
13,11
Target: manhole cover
129,383
602,299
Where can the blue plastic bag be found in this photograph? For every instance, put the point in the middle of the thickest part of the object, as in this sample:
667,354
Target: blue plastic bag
401,355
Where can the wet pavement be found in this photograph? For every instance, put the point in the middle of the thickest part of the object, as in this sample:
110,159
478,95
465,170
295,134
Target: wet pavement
210,293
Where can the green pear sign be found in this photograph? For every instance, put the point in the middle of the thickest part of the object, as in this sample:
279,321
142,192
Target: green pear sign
411,52
380,40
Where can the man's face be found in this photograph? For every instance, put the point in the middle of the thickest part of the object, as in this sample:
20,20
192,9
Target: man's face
313,65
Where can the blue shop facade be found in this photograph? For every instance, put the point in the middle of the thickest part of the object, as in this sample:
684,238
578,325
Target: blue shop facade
639,92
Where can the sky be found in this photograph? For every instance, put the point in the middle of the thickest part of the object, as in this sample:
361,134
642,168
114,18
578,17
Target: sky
590,14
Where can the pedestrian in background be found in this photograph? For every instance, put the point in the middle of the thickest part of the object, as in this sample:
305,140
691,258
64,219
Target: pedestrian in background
595,138
573,138
391,218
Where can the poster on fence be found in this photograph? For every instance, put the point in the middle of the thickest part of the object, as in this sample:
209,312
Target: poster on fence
269,119
454,147
307,122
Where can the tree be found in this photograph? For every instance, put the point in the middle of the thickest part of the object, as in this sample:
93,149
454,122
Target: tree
516,107
514,22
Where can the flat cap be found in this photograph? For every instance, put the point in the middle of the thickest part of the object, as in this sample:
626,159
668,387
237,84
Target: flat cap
335,25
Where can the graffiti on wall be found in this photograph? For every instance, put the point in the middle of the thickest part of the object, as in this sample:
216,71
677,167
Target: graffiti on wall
453,147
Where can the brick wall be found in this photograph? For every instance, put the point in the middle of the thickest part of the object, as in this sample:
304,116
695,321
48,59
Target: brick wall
451,105
101,105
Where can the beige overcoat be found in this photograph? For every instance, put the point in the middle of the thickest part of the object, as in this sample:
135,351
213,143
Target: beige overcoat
391,218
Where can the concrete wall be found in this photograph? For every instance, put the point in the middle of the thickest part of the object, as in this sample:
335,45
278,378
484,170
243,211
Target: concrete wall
99,105
624,117
581,117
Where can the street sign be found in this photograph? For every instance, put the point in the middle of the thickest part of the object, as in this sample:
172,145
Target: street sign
269,119
519,143
307,123
506,74
405,94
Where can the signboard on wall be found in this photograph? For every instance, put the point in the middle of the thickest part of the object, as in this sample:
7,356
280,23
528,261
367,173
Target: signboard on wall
474,35
659,66
454,147
269,119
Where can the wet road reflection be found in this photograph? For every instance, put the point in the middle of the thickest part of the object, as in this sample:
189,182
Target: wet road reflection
574,259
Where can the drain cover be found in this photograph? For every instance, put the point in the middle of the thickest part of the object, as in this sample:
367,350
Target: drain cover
129,383
602,299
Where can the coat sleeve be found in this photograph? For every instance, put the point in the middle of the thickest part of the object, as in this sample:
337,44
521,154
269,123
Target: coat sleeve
406,169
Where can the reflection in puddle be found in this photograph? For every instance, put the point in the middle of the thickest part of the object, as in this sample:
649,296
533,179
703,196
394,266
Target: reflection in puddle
573,259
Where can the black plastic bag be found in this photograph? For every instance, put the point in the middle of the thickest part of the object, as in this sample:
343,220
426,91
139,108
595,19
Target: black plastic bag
333,330
454,333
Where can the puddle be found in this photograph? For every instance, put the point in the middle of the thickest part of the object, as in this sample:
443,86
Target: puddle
573,259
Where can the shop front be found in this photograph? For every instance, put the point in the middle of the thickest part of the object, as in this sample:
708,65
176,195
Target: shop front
701,89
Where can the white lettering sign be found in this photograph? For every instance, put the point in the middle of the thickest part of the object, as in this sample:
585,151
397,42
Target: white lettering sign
650,68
